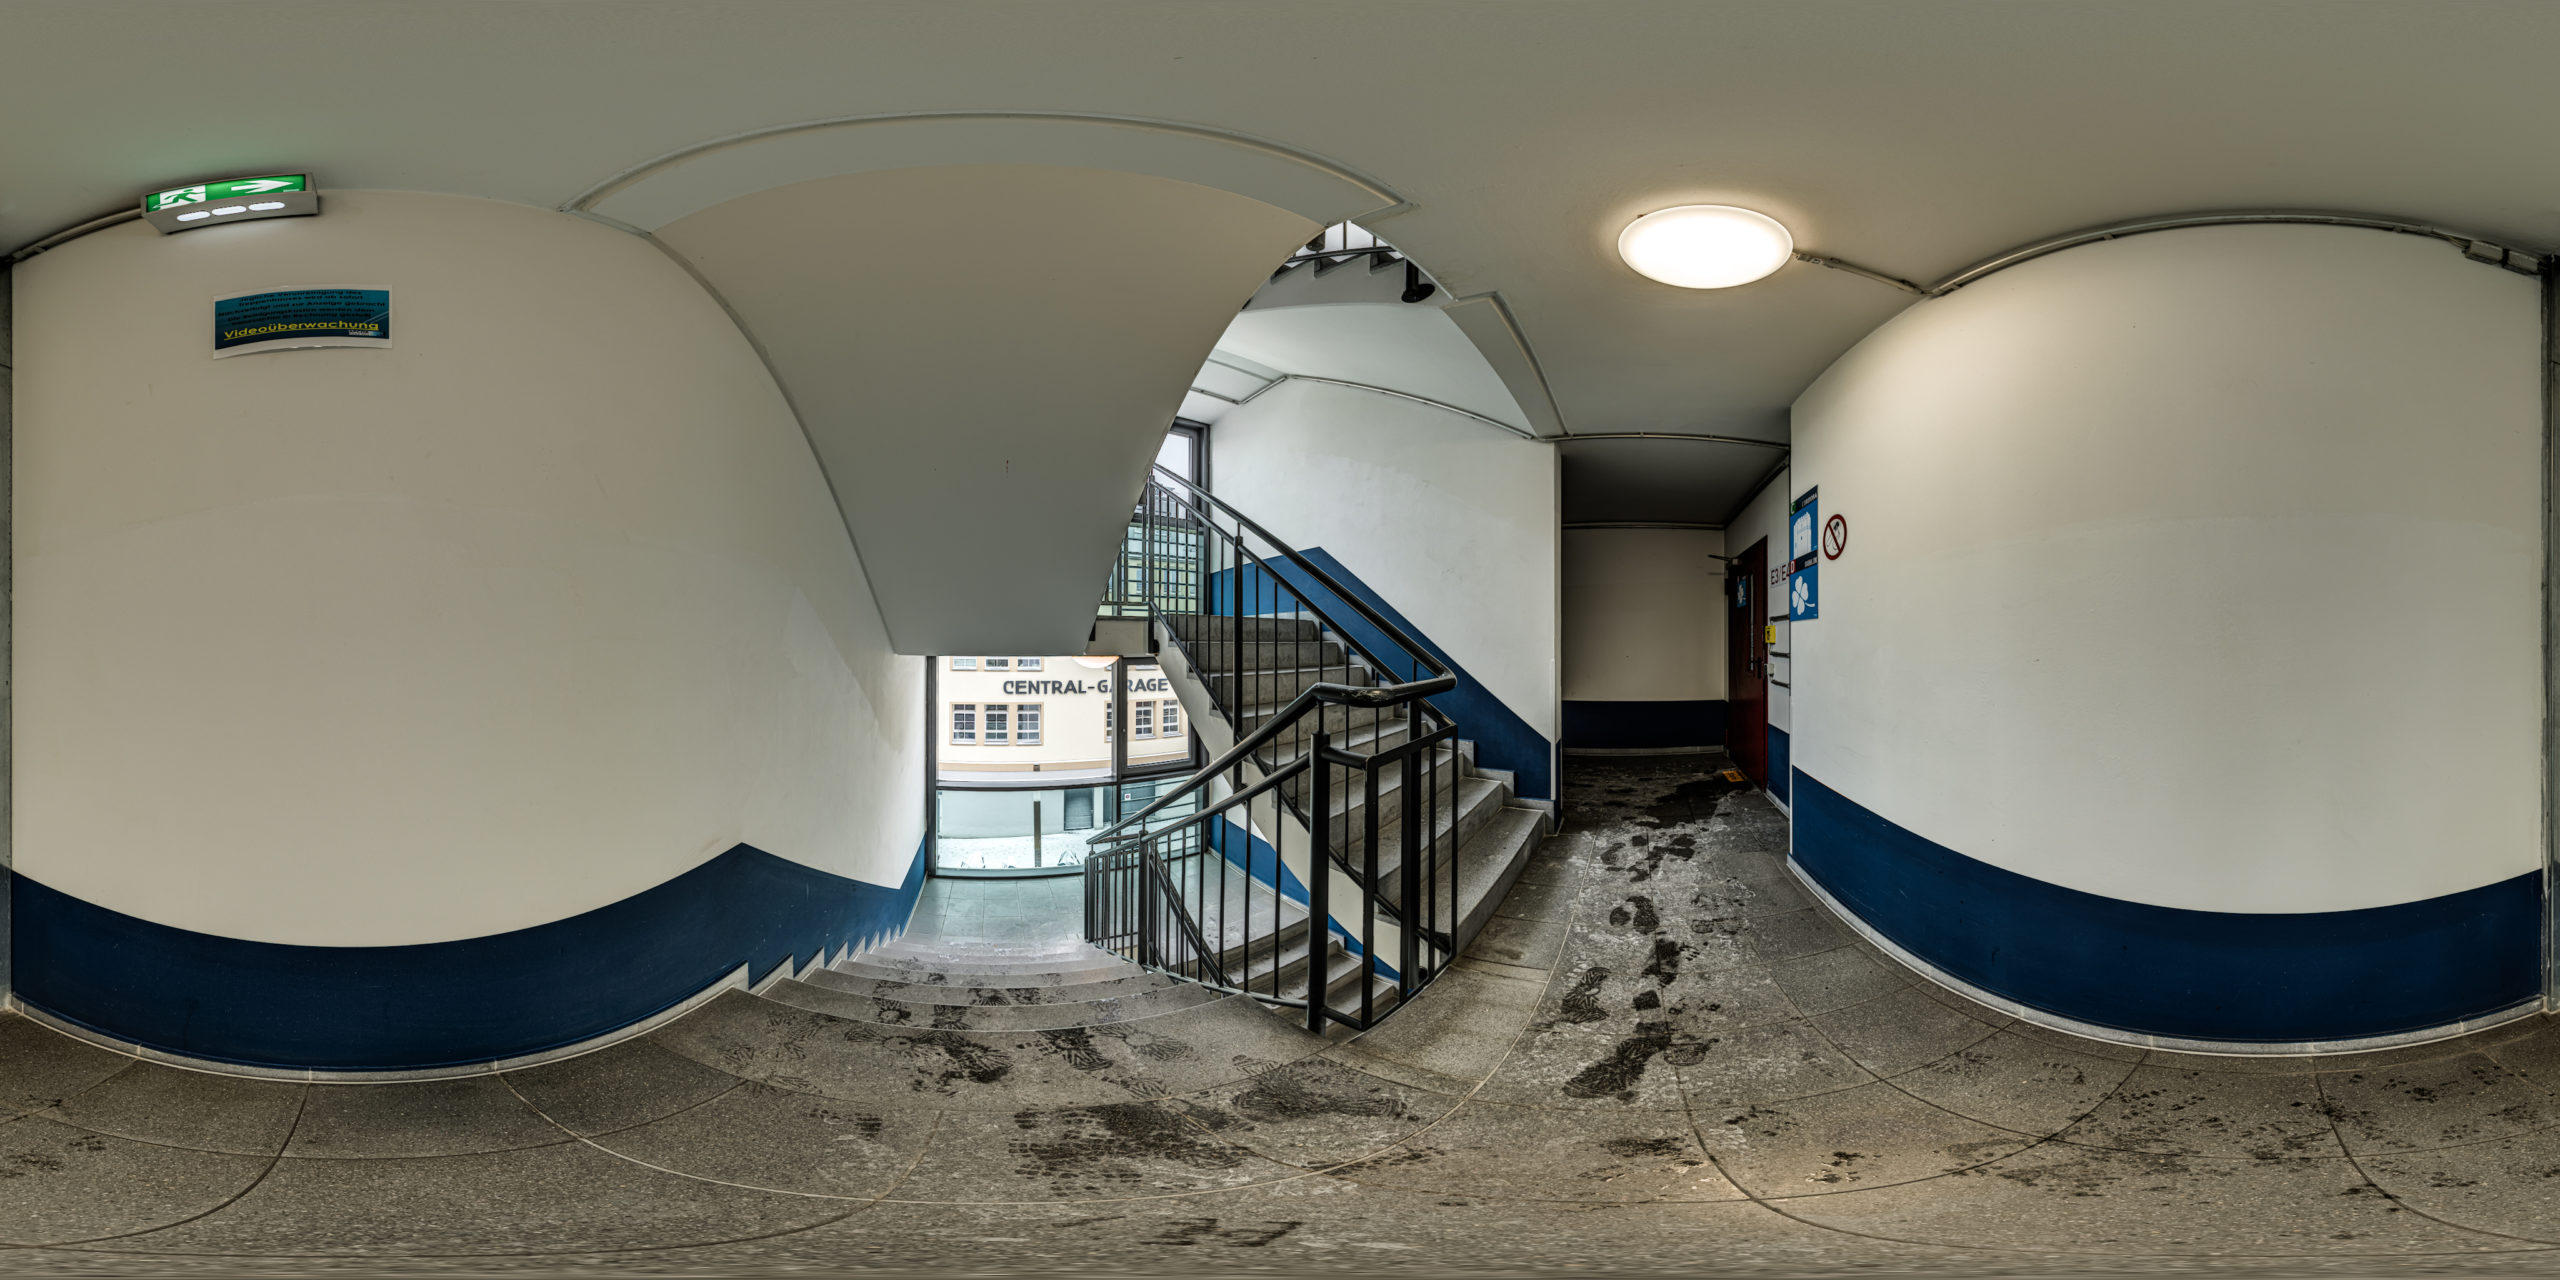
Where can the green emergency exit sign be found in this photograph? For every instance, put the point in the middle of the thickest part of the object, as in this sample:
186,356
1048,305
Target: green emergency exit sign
281,195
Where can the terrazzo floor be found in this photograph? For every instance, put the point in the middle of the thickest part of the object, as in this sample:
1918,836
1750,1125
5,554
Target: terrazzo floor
1662,1057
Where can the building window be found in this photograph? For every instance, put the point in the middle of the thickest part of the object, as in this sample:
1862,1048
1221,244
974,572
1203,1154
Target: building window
999,664
1172,719
1026,664
964,664
964,724
996,721
1142,719
1109,713
1026,724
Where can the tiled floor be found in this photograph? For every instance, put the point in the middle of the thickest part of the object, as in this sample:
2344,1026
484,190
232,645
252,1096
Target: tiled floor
1662,1057
1032,909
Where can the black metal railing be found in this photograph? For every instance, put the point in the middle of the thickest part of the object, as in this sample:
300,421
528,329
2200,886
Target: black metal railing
1316,864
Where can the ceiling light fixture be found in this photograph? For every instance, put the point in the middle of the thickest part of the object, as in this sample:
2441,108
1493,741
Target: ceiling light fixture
1705,246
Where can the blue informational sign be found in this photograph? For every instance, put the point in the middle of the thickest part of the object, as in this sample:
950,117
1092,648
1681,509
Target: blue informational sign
301,318
1804,553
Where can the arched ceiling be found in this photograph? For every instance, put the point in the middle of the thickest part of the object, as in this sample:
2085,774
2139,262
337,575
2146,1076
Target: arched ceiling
1912,138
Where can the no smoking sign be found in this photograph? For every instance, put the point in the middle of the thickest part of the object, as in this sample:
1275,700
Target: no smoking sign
1835,537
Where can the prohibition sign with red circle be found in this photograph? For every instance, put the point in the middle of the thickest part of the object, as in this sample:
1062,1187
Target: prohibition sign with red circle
1835,537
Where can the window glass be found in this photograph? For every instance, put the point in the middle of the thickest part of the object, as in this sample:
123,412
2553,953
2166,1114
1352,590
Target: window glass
964,664
996,720
1026,725
964,722
999,664
1026,664
1172,718
1142,720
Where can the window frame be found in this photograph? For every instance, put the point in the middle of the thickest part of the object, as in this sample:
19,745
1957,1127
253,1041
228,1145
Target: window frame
964,664
988,734
959,709
1039,714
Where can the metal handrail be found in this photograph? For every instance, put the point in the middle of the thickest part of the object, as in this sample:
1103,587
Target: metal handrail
1336,694
1326,580
1162,895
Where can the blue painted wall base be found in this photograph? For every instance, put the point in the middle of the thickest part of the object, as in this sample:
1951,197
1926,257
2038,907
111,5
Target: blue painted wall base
439,1004
1781,774
2167,971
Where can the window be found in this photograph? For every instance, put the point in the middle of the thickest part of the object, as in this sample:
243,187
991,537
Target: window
964,664
996,736
1172,719
1026,664
1026,724
964,724
999,664
1142,719
1109,712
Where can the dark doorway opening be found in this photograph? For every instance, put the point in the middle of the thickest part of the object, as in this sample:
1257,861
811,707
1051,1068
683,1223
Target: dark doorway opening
1747,661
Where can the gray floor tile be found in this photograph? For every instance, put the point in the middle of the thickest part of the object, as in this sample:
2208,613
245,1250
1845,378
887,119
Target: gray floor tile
1870,1136
630,1083
2017,1082
1895,1033
1317,1113
561,1199
151,1103
1460,1029
776,1140
432,1118
1527,1153
40,1067
60,1184
1094,1153
2438,1102
2211,1113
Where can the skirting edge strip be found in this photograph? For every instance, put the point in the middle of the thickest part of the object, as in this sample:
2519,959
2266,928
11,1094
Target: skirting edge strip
2172,1044
735,981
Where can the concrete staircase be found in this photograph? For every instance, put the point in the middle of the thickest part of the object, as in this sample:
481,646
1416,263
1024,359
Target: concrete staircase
1257,665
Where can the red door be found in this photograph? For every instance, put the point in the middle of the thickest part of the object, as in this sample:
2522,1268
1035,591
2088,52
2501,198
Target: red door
1746,609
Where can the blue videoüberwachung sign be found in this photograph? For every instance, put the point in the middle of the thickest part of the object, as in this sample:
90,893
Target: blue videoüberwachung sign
280,318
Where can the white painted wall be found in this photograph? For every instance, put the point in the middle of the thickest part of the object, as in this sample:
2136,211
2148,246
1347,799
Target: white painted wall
1452,521
1644,615
540,607
1765,517
2199,568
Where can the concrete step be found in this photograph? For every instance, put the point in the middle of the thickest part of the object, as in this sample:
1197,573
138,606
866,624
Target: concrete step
1196,626
1337,717
1274,687
889,1011
1260,654
917,975
993,994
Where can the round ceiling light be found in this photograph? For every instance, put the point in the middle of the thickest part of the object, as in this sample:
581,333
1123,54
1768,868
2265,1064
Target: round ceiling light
1705,246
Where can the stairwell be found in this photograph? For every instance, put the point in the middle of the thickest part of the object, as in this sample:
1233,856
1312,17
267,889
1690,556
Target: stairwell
1338,794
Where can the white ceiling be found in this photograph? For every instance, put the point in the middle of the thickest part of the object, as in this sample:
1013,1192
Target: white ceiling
986,427
1413,349
1513,139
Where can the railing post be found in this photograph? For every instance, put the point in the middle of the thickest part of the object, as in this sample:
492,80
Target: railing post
1409,941
1319,881
1369,886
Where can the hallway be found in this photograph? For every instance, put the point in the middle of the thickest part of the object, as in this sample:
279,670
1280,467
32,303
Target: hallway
1661,1053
